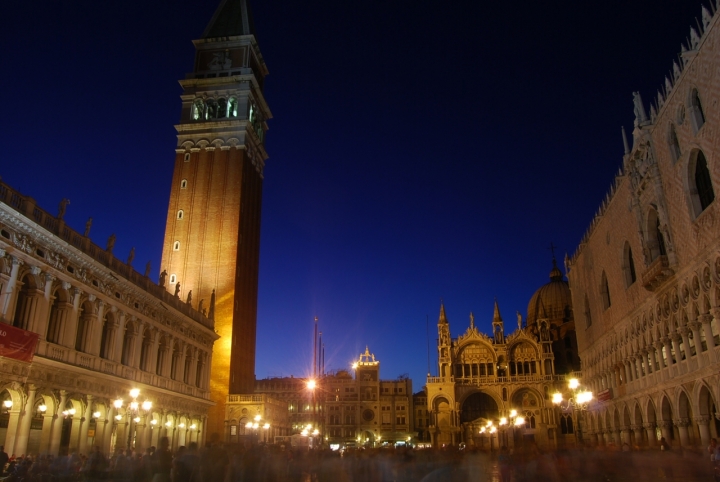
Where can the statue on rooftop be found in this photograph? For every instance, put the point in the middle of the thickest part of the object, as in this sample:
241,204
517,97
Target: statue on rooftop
88,225
63,206
110,243
131,256
177,290
163,275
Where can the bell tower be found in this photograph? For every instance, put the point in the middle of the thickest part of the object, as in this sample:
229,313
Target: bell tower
212,235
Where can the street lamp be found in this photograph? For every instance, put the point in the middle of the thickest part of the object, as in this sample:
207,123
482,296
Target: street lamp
132,412
577,400
255,425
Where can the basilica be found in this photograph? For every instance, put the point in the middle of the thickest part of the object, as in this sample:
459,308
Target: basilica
494,390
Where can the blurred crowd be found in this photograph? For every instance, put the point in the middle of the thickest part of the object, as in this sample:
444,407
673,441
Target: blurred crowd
270,463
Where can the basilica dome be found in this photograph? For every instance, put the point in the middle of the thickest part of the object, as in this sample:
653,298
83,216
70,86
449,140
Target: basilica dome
552,301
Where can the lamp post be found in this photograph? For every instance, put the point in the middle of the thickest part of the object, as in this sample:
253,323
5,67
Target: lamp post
132,412
490,429
510,422
576,402
255,425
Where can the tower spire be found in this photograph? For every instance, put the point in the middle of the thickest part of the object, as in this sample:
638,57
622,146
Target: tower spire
497,324
443,318
496,313
232,18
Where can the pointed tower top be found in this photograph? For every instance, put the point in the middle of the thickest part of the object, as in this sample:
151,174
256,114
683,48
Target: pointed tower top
232,18
443,319
472,321
496,312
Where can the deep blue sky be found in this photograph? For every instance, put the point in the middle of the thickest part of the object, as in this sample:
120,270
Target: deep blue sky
419,150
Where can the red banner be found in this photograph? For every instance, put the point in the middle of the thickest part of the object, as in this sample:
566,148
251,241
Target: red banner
17,343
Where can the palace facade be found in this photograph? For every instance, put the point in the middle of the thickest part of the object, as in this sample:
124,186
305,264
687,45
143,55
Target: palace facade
645,278
102,329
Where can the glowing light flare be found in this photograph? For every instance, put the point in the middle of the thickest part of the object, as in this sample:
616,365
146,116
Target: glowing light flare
71,411
266,426
584,397
43,408
248,425
493,429
134,406
315,432
147,405
573,383
519,421
557,398
503,421
118,403
8,403
118,417
182,425
257,418
311,384
354,366
134,392
153,422
513,413
193,427
96,414
136,419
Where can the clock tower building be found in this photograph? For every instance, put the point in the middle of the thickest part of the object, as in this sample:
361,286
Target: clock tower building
212,237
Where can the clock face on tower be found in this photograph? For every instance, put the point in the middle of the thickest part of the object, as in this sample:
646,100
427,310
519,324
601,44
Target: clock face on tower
368,415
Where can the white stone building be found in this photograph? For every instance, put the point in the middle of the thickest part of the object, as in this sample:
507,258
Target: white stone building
103,330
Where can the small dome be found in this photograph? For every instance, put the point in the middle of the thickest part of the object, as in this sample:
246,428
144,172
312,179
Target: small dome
552,301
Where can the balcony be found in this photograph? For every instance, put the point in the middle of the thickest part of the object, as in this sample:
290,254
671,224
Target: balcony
657,273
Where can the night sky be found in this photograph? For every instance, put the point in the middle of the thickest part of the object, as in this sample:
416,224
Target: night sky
419,150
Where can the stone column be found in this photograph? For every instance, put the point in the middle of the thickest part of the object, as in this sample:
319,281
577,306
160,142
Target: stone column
7,297
704,429
180,371
153,355
666,428
638,367
668,351
706,321
137,343
625,436
682,425
650,431
57,426
686,343
653,358
46,433
84,424
676,346
23,434
76,422
107,434
695,328
43,310
638,434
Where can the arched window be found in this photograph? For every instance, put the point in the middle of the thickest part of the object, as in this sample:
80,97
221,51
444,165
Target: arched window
628,265
180,214
232,107
54,329
176,246
696,110
106,336
211,112
675,151
84,326
605,291
183,184
656,240
188,364
127,347
22,305
162,353
588,317
175,362
222,108
198,111
199,372
702,191
145,350
172,278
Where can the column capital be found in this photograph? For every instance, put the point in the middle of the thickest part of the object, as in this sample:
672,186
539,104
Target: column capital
17,261
648,425
707,317
681,422
702,420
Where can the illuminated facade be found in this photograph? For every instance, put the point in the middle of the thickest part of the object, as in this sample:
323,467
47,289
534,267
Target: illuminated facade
646,277
212,236
347,410
482,379
103,330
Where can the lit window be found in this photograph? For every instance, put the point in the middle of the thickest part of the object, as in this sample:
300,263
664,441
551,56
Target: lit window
180,215
176,246
183,184
172,278
187,156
